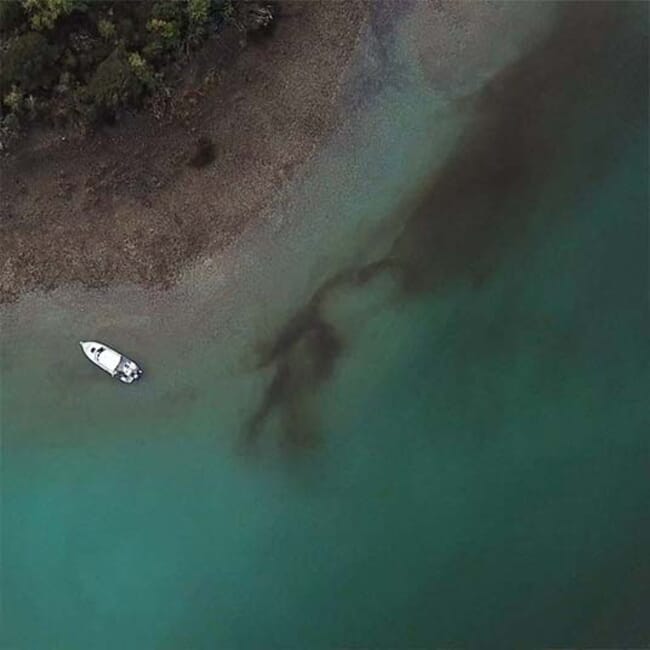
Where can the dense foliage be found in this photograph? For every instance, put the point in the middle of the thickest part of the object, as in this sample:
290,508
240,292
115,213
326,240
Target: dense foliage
80,61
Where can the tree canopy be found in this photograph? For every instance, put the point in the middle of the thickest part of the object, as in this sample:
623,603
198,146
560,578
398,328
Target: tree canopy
80,61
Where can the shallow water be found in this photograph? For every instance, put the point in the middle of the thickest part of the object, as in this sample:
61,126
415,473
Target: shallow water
456,449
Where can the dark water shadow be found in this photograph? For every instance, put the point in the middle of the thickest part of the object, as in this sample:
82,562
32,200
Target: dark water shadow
478,207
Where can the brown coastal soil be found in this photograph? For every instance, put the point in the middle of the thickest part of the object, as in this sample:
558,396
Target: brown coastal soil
138,201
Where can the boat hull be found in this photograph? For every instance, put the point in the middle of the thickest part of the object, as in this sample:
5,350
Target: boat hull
111,361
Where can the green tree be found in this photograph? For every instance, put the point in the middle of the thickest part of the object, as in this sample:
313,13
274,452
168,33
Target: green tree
198,11
106,29
12,15
115,83
43,14
25,62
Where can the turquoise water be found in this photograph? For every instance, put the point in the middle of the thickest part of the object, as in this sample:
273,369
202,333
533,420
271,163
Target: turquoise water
456,459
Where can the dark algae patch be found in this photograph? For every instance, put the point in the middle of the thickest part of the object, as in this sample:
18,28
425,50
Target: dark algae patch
203,154
479,206
303,356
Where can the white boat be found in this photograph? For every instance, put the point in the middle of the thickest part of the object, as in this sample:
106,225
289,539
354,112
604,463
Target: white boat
111,361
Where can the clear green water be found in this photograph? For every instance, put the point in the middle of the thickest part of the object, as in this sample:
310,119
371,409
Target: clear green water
480,469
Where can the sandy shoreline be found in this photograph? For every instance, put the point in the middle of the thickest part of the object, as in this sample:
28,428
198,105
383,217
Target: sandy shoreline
125,206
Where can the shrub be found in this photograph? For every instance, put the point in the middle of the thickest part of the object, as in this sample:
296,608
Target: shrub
106,29
164,29
198,11
13,100
114,84
142,70
256,16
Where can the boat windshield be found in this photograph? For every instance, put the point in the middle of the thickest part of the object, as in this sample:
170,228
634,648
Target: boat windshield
109,359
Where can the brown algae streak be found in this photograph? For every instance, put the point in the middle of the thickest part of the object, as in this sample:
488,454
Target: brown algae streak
476,208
